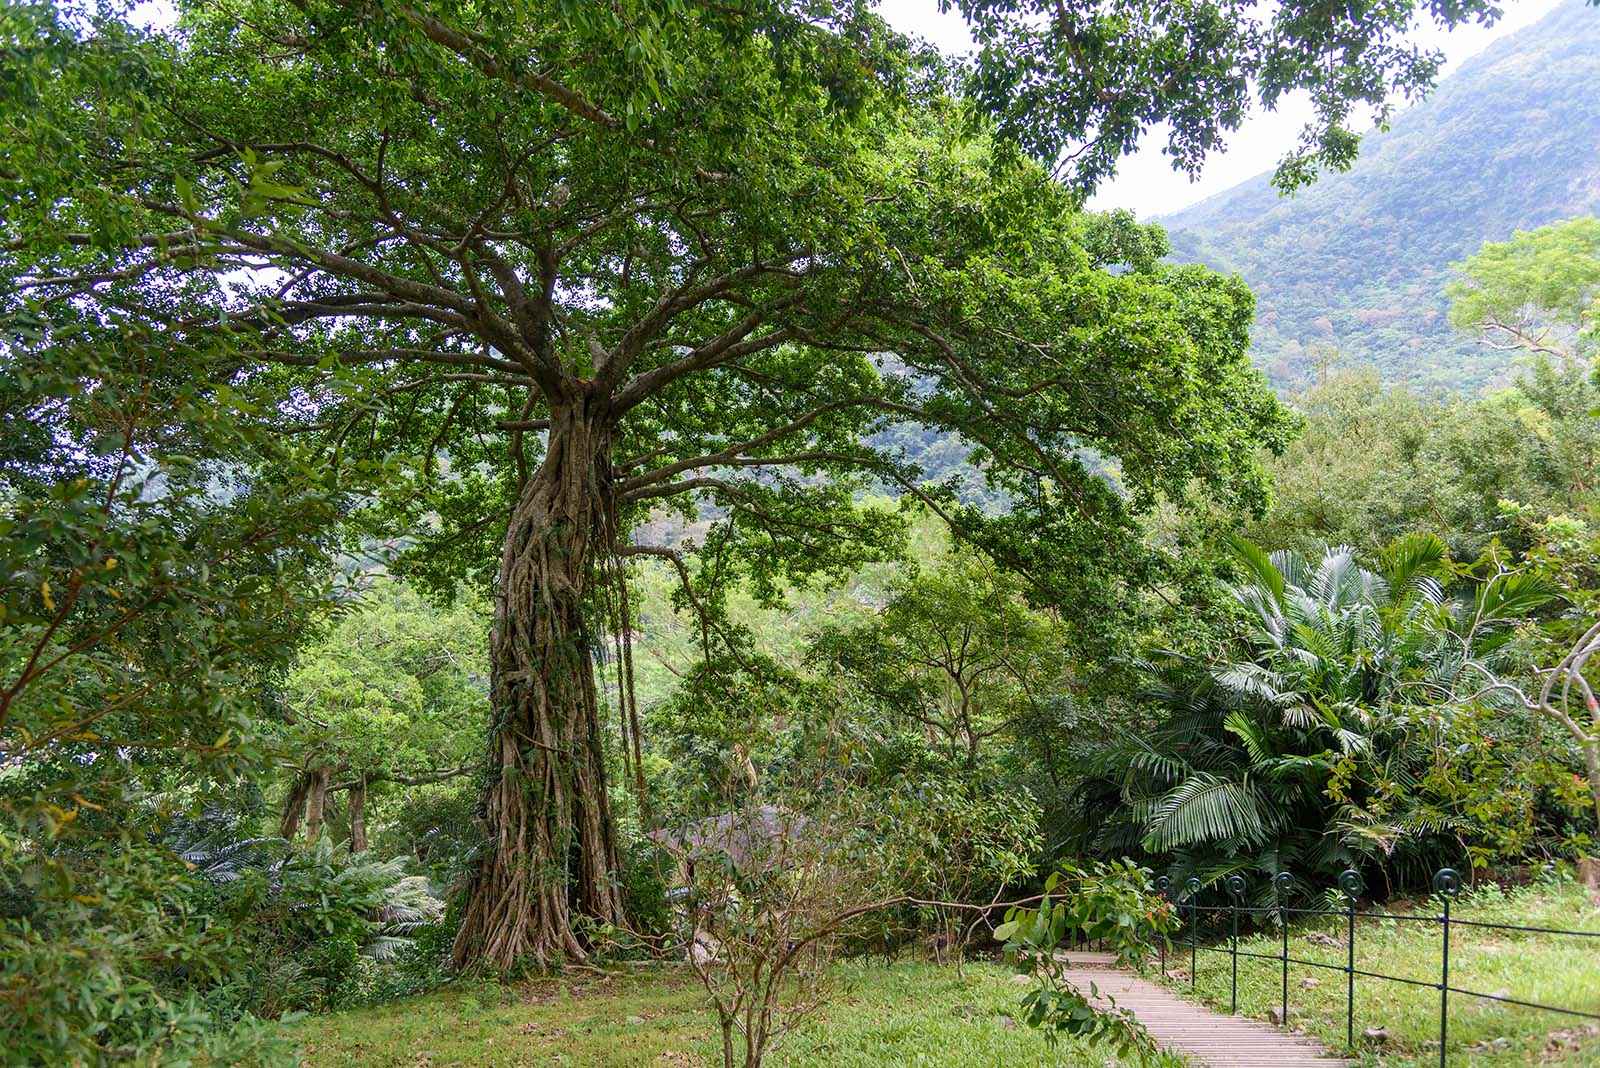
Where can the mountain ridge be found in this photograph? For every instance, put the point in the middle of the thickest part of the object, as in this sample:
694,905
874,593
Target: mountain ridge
1357,263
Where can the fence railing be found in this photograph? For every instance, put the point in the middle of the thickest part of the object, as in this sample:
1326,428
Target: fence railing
1446,885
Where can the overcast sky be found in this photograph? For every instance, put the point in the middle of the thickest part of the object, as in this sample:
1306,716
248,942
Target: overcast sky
1147,183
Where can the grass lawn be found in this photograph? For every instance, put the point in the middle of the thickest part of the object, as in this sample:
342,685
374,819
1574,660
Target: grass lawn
900,1016
911,1015
1546,969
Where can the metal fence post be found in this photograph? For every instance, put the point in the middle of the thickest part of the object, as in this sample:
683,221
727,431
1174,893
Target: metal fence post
1446,886
1446,883
1163,884
1284,882
1235,893
1193,886
1351,884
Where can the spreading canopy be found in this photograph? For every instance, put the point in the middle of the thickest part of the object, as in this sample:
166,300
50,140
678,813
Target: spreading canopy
1538,292
1082,82
528,279
406,233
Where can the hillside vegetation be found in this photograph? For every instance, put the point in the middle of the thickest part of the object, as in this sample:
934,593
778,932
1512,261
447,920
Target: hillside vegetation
1358,263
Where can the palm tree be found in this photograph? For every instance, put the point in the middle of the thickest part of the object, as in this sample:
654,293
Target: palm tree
1307,751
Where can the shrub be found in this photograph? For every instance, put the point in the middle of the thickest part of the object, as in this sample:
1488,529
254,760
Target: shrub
1110,901
109,959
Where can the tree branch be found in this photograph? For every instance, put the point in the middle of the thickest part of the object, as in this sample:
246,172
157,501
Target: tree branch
731,454
424,779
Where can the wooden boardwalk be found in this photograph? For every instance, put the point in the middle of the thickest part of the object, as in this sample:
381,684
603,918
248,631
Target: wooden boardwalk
1205,1037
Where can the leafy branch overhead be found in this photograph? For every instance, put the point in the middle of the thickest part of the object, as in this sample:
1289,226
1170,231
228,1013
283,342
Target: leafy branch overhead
1081,84
724,289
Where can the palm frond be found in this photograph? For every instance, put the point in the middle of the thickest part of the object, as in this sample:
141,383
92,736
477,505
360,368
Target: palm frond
1511,596
1409,558
1301,716
1205,809
385,947
1263,573
1252,736
1294,568
1253,681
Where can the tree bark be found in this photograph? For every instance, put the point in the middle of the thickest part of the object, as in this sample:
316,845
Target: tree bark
358,815
294,806
553,848
1589,745
316,803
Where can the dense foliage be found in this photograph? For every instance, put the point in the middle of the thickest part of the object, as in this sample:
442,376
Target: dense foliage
558,295
488,491
1356,726
1376,462
152,580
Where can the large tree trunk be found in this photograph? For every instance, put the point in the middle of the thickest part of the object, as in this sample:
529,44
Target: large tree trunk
552,843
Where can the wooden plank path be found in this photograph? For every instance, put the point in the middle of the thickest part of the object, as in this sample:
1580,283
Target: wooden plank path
1205,1037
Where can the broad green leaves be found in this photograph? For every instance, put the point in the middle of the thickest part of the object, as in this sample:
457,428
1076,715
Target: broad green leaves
1325,735
1109,901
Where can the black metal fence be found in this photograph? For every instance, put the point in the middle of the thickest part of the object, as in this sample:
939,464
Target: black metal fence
1446,885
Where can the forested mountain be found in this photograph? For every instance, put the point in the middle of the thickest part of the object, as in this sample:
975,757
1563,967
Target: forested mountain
1358,262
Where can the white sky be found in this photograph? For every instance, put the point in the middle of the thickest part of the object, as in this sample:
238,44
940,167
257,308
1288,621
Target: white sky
1146,182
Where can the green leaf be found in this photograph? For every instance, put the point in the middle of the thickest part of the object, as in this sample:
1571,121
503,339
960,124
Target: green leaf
1260,566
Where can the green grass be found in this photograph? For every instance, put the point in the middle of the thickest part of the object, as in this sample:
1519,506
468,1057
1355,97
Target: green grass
915,1015
1546,969
900,1016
